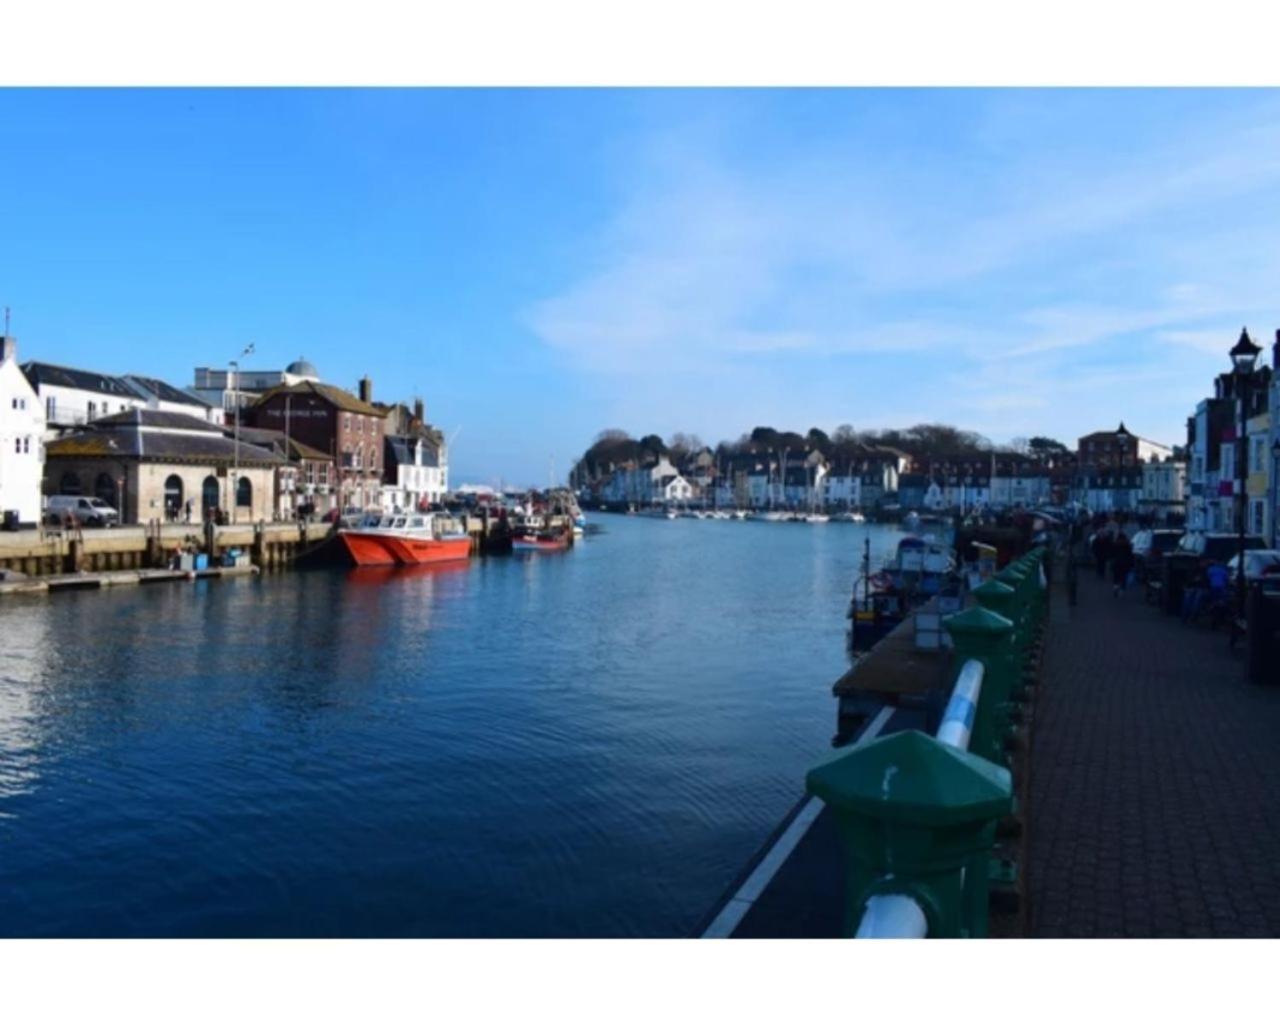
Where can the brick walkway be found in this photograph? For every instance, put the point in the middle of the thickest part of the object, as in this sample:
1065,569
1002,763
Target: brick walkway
1155,780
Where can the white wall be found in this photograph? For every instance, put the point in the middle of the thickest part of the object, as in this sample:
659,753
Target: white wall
75,407
21,443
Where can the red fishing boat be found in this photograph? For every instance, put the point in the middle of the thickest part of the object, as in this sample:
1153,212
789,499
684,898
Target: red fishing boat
406,540
541,540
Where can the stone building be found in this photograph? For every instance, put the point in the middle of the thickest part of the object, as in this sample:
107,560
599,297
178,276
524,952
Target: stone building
150,464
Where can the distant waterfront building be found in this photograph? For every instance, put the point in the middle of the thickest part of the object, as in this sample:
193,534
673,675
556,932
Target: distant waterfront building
224,388
1109,469
349,428
416,460
1164,489
21,438
149,464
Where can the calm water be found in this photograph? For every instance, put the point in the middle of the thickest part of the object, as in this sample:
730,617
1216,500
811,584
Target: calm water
587,743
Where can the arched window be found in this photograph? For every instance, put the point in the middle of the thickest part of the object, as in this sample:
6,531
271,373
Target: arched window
104,489
69,484
244,493
209,497
173,496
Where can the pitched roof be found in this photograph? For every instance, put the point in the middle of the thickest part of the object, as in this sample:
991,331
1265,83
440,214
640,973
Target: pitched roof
275,441
344,400
157,418
175,438
164,391
69,377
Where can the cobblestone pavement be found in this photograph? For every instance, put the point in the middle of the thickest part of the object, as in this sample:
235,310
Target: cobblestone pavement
1155,780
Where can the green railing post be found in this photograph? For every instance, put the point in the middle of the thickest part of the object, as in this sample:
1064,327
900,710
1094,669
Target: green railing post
913,814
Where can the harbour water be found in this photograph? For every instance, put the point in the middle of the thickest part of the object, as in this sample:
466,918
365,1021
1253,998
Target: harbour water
589,743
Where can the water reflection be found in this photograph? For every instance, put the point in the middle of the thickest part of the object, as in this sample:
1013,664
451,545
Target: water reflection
579,743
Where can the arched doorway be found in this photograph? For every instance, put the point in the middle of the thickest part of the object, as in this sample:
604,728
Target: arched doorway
104,489
209,497
244,493
69,484
173,497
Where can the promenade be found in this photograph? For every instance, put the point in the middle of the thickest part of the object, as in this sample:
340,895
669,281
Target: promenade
1155,779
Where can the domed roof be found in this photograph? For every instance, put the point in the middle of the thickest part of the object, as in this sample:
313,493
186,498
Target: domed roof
301,368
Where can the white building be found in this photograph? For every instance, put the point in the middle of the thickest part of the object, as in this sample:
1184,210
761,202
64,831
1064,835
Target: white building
21,438
645,485
1164,488
221,387
421,473
71,398
164,397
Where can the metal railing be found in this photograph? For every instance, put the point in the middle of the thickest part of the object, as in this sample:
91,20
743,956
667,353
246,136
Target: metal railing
919,814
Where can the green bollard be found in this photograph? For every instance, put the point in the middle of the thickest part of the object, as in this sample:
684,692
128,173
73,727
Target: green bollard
913,814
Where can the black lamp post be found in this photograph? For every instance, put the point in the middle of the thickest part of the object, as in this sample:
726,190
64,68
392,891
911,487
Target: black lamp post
1244,354
1275,482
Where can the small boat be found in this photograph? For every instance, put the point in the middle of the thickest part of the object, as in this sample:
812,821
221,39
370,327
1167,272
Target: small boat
849,517
776,517
405,540
817,517
740,513
542,540
919,569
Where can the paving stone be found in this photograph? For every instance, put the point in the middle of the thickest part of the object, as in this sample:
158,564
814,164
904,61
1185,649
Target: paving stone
1154,806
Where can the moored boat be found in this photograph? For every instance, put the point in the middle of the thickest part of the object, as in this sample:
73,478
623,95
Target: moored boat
541,540
416,539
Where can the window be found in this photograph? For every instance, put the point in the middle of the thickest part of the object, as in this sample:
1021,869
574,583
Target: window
346,423
26,445
93,410
17,446
50,408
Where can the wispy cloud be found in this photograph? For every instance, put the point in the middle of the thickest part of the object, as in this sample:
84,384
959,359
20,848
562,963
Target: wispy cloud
825,253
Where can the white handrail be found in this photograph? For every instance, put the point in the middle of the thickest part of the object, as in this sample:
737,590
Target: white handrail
957,720
892,916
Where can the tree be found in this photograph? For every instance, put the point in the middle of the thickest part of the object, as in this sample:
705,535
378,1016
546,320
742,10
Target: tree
819,439
844,434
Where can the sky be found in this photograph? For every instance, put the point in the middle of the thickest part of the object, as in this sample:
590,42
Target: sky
540,265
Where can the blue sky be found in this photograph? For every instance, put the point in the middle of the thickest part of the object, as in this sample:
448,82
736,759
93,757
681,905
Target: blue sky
542,264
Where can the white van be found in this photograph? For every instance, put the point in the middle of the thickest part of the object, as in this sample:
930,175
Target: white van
85,511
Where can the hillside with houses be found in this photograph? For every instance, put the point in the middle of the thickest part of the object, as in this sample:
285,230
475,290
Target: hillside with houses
933,467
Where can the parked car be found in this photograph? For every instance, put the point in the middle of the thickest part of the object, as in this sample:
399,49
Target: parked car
1260,564
85,511
1149,546
1215,547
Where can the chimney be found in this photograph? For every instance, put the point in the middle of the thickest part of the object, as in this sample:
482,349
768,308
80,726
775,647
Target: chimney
366,389
420,411
9,347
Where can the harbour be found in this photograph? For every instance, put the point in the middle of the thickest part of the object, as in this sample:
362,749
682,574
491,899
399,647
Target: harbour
477,749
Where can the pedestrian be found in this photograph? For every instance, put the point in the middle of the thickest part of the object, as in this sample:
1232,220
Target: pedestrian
1121,563
1101,552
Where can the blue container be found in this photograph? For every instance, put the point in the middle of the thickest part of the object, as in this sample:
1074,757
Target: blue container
202,562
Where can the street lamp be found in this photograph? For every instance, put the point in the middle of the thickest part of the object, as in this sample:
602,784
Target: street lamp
1244,354
235,465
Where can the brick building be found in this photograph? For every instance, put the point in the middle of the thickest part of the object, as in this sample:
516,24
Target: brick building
348,428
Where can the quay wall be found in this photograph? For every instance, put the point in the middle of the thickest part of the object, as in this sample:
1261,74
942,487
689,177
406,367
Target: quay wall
50,552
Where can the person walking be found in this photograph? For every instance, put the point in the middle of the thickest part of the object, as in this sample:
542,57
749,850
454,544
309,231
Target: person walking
1121,563
1101,551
